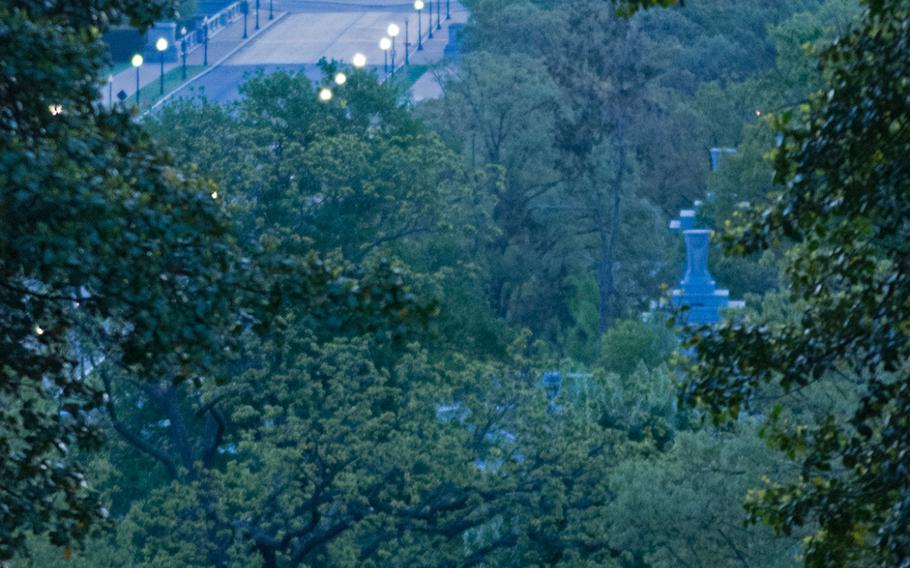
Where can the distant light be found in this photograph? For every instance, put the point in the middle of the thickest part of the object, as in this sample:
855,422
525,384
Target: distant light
55,109
214,195
340,79
393,30
359,60
325,94
418,5
39,330
183,31
161,44
385,44
757,112
136,60
110,78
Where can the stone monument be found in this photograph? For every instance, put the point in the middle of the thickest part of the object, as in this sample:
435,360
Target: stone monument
697,290
716,154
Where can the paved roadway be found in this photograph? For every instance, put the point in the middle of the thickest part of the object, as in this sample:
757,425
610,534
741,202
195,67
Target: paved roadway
313,30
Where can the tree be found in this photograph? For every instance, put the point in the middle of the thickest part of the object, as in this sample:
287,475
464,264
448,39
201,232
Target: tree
684,507
361,176
100,237
357,174
631,343
108,254
843,207
500,112
325,456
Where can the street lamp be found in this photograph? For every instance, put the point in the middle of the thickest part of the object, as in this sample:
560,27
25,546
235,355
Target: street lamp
393,30
430,19
257,14
407,43
183,49
418,5
340,79
325,94
359,60
161,46
137,63
55,109
110,90
245,10
272,13
438,13
205,42
385,44
448,11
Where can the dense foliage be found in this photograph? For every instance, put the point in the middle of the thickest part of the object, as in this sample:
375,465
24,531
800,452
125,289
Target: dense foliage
111,256
842,162
368,332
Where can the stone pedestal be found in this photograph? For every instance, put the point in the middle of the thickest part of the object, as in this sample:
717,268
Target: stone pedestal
697,290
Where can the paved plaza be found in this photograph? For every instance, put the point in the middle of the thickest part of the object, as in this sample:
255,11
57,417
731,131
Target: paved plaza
307,37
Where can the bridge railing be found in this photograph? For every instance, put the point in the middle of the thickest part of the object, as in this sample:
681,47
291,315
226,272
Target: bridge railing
222,17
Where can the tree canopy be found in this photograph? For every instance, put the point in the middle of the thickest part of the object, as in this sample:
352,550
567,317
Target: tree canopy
367,331
840,211
111,254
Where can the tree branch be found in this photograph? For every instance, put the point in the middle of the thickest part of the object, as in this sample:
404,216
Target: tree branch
132,438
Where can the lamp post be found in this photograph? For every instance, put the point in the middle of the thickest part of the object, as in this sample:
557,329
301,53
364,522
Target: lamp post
137,63
110,90
271,12
418,5
205,42
245,10
393,30
438,14
448,11
407,44
385,44
359,60
183,49
257,14
430,19
161,46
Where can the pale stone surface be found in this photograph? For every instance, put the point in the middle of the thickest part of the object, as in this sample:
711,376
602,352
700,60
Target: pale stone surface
307,37
304,38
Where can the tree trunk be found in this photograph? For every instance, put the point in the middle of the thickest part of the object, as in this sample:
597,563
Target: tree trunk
609,237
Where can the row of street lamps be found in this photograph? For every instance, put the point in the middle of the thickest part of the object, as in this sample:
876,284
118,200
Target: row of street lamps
387,44
359,61
161,46
245,10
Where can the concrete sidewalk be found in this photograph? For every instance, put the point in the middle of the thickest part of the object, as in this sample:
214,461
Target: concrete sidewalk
433,53
221,43
434,49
